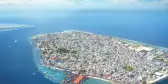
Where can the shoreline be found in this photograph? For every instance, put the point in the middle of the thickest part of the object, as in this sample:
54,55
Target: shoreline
100,79
141,43
3,29
59,69
123,39
63,70
159,79
115,38
13,27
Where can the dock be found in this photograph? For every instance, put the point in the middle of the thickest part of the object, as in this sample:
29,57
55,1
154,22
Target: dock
78,79
73,78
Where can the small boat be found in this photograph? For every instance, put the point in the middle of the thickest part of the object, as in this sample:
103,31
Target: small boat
15,41
33,74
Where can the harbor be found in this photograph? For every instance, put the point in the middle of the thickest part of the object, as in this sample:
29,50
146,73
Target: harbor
57,75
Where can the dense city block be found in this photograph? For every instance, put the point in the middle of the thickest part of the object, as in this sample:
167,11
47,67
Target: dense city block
118,60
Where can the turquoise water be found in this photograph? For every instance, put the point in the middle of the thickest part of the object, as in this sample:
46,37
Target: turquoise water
95,81
55,75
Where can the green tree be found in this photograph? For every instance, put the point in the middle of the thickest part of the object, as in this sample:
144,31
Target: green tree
63,50
128,67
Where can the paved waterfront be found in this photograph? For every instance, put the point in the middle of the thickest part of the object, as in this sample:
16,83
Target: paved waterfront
102,56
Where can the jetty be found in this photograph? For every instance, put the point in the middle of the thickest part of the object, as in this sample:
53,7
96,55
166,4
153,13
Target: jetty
78,79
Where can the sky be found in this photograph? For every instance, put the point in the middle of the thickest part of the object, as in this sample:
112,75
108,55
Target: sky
85,4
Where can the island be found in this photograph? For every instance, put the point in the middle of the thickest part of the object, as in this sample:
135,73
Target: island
13,26
112,59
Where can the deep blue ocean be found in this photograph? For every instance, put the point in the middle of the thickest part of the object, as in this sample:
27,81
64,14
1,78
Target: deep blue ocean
16,58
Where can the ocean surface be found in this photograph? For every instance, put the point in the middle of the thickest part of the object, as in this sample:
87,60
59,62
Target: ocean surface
17,63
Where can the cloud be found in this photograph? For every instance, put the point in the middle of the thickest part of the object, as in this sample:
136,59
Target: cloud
139,4
34,2
110,4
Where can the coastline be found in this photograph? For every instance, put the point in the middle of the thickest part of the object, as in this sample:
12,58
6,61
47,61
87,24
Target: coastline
123,39
9,28
56,68
158,79
100,79
141,43
59,69
120,39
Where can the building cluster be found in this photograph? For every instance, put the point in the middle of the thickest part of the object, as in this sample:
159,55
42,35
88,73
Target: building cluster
102,56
